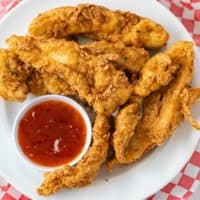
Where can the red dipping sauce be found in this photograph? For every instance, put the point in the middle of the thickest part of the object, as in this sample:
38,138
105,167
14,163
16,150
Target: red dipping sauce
52,133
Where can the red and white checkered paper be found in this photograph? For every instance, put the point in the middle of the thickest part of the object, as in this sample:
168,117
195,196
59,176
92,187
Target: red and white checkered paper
188,180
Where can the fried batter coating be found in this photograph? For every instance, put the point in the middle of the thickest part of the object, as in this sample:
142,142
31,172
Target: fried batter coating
95,79
110,86
56,85
48,83
99,23
13,76
75,56
36,84
87,169
162,110
129,58
189,96
157,72
17,79
28,49
125,124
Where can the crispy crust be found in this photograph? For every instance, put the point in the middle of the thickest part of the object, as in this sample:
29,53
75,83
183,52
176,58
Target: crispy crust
99,23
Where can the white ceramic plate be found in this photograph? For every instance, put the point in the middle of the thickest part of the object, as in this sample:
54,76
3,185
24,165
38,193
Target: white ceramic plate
134,182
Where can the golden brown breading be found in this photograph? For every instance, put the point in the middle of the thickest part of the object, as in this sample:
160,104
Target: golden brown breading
99,23
55,85
125,123
75,56
17,79
129,58
162,110
110,86
157,72
28,50
46,83
87,169
13,76
116,93
188,97
94,78
35,83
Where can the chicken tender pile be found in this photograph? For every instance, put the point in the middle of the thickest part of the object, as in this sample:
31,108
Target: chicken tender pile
148,96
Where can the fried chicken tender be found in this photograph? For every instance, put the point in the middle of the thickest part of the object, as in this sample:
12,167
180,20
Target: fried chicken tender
95,79
13,76
47,83
99,23
128,58
17,79
87,169
162,110
36,84
111,86
189,96
125,124
75,56
157,72
56,85
28,50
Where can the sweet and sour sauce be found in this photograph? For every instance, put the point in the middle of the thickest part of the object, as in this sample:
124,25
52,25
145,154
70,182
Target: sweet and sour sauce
52,133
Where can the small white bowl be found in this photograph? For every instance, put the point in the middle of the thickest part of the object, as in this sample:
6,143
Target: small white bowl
44,98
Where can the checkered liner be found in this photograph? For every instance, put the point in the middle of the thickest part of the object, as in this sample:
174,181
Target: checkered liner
6,5
187,181
188,12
